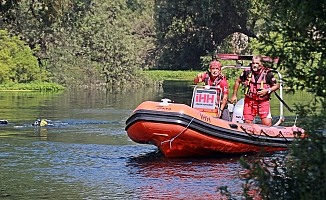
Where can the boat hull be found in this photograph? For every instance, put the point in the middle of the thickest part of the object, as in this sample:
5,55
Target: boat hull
181,131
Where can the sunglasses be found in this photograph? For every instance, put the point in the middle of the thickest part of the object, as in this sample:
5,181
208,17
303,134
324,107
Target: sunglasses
255,63
215,68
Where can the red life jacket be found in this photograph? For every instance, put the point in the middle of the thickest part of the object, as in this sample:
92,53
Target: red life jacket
252,86
217,81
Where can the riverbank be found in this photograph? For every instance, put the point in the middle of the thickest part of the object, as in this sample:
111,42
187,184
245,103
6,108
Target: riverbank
162,75
33,86
157,76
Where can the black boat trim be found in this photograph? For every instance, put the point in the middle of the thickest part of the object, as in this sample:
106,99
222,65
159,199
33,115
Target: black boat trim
207,128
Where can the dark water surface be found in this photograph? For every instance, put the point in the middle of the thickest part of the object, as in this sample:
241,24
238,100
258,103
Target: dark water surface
87,154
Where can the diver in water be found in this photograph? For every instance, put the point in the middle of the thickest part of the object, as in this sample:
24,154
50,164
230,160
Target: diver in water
42,122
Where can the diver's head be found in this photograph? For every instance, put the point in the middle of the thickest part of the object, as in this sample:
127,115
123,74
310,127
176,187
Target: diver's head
37,122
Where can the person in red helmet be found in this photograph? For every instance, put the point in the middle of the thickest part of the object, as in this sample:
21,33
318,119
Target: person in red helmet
259,83
215,78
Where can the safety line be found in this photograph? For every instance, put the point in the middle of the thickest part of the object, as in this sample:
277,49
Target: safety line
171,140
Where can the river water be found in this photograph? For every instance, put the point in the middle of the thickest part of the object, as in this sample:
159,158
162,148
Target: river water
88,155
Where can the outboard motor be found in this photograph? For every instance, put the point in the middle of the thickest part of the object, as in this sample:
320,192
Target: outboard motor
237,115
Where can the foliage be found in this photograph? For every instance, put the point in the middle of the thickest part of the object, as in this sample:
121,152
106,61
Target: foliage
295,33
117,49
97,46
300,41
298,175
99,42
18,64
187,30
34,20
86,42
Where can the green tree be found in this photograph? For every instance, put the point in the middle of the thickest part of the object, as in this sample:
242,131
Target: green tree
296,34
18,64
33,20
187,30
86,42
107,45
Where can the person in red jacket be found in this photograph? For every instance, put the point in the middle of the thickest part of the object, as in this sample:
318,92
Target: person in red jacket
215,78
259,83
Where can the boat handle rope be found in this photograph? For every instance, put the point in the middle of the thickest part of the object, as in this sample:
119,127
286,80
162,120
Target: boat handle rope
245,130
172,139
262,131
280,135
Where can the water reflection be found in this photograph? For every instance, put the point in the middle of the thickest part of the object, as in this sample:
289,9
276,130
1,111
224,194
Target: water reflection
161,178
178,91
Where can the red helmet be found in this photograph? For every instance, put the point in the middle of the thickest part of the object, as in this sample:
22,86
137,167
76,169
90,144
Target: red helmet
215,64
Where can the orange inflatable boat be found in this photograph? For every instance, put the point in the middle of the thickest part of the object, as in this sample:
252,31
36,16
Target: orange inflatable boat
179,130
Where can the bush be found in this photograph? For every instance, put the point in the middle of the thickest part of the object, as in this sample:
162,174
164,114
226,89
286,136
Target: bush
17,63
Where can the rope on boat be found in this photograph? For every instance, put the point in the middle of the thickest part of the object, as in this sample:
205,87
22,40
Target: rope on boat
252,135
280,135
245,130
171,140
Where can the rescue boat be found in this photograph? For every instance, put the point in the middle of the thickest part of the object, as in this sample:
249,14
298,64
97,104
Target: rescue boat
180,130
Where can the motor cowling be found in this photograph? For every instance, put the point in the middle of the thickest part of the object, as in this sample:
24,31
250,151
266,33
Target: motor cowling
237,114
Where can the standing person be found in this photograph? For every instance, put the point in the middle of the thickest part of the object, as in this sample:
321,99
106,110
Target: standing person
259,83
215,78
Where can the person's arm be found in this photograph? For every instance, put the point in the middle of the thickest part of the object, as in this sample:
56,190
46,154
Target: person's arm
235,90
224,101
225,89
198,78
273,84
223,104
274,88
